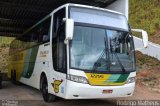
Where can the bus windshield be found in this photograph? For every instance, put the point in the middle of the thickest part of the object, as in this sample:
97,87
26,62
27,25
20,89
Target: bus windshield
101,49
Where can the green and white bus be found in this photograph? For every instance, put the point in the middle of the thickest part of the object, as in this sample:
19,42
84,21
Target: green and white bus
77,52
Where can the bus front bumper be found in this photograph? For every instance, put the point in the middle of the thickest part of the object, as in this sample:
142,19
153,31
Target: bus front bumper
85,91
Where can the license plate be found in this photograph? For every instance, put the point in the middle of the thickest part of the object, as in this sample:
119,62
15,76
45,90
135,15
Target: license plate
107,91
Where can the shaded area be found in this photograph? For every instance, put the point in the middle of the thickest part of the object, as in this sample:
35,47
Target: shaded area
18,15
4,53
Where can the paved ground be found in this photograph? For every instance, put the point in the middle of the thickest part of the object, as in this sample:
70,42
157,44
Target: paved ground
32,97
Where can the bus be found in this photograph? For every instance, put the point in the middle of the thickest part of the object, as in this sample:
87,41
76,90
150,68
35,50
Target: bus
77,52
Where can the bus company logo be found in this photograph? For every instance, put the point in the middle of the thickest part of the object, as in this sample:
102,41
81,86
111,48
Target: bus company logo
56,85
44,53
97,76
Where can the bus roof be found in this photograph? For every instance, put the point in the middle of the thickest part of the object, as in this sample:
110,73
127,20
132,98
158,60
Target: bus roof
94,7
75,5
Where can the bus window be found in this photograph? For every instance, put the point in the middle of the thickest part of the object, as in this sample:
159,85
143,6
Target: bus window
62,64
58,19
59,52
58,47
42,31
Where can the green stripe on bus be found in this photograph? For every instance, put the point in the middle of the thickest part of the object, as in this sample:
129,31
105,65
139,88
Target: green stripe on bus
117,78
122,78
114,76
32,62
26,62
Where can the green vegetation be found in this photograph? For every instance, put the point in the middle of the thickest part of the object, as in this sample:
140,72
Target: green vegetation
144,62
145,14
5,41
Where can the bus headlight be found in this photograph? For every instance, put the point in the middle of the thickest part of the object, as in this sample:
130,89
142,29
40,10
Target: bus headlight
78,79
130,80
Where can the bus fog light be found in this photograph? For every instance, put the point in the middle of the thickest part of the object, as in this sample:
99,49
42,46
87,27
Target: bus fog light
78,79
131,80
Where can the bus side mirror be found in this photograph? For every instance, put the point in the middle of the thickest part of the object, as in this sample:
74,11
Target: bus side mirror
69,29
144,36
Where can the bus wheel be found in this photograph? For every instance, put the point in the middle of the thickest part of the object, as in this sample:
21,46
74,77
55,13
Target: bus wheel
0,82
13,77
46,96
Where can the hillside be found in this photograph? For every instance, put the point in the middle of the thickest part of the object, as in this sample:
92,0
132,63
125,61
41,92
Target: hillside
145,14
148,72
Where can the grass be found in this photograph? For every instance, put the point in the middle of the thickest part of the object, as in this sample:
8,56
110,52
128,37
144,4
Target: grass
145,14
144,62
148,71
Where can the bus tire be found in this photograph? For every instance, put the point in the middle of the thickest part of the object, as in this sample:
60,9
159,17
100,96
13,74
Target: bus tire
0,82
13,77
46,96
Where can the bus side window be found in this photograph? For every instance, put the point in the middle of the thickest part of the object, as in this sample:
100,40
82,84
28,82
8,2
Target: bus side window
58,46
58,19
62,59
43,31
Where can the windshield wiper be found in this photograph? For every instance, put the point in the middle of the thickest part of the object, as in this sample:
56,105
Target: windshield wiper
97,63
104,52
120,63
107,52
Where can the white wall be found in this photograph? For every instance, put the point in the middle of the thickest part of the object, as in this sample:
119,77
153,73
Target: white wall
153,49
120,6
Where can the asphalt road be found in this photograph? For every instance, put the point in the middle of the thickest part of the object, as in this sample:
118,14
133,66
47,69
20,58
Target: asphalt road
23,95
